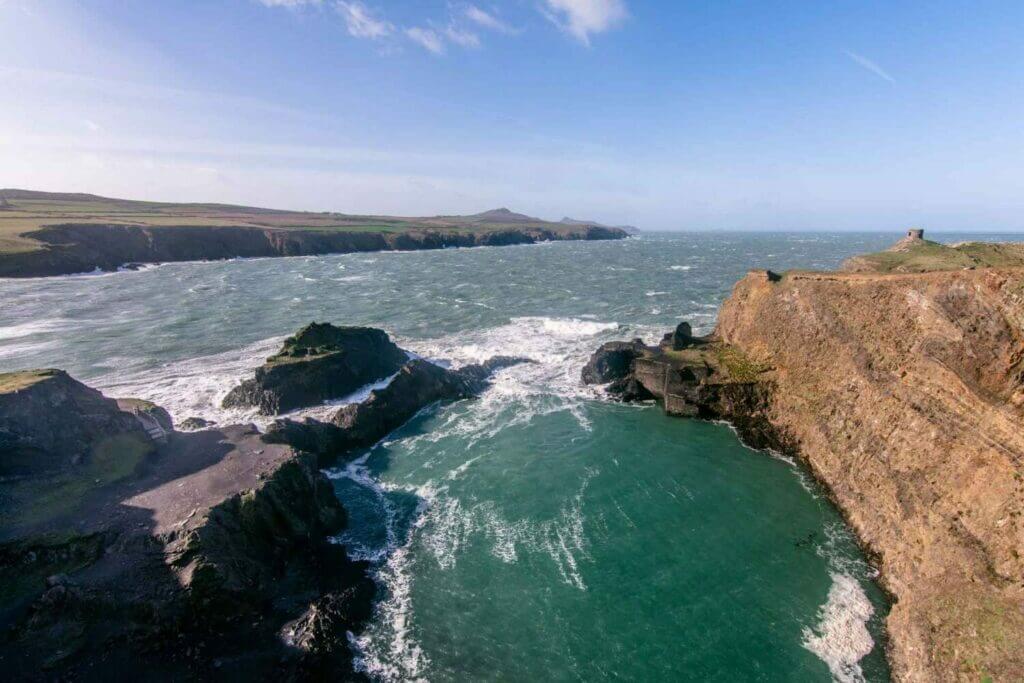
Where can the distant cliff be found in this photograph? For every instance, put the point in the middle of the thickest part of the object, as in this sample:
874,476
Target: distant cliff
78,248
46,233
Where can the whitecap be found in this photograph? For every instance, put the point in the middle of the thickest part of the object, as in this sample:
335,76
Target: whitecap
841,637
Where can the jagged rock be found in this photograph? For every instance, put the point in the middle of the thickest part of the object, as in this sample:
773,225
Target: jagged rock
195,563
192,424
321,362
680,338
612,361
49,421
360,425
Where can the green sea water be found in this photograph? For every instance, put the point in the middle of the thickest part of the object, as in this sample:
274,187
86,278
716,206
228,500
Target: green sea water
539,532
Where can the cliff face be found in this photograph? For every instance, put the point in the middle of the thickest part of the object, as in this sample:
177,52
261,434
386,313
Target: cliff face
905,395
78,248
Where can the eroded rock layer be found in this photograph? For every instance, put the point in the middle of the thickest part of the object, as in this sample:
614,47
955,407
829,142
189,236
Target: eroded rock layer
905,396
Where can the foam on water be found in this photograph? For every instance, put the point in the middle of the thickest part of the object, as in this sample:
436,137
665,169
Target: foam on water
841,637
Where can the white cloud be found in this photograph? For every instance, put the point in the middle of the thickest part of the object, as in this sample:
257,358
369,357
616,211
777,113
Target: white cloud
581,18
487,20
360,21
870,66
428,38
462,37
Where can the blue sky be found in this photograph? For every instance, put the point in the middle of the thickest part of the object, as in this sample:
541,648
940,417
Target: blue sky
667,115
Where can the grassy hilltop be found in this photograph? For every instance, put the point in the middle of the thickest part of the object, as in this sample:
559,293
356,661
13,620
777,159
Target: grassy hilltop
44,233
27,211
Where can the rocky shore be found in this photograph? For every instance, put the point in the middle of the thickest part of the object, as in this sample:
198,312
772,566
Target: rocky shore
80,248
904,395
127,546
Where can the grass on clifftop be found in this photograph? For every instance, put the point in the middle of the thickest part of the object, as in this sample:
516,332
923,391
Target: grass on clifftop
924,255
16,381
27,211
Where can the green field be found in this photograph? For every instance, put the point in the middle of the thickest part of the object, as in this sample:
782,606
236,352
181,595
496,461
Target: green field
25,211
921,256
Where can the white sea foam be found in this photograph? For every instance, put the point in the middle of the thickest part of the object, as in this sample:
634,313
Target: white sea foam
558,349
449,526
841,637
679,267
34,327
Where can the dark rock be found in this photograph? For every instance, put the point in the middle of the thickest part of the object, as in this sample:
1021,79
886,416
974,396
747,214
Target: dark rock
614,360
629,389
417,385
49,421
192,424
679,339
321,362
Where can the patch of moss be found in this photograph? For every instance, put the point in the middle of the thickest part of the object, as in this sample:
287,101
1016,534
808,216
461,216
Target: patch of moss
25,565
925,255
16,381
982,633
738,365
32,502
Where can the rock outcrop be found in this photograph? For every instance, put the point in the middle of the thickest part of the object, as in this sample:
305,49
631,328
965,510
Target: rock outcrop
204,556
904,395
49,422
613,361
360,425
319,363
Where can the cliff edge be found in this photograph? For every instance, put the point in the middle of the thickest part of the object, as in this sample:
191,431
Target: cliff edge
905,396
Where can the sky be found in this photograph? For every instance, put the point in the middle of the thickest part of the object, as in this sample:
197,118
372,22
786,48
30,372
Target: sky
665,114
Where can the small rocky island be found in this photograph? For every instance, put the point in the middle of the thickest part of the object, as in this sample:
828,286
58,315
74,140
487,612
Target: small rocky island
899,383
127,545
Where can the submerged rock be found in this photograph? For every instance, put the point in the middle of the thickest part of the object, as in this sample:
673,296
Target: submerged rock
321,362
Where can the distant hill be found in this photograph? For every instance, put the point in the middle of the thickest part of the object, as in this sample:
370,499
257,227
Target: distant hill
503,215
55,233
628,229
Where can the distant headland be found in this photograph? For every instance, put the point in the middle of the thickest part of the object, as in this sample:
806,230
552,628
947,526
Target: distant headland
53,233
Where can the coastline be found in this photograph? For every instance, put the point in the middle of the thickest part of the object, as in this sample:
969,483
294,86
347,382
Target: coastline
76,249
901,395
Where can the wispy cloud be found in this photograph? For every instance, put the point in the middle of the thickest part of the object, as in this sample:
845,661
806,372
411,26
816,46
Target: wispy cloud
869,65
427,38
582,18
360,21
487,20
461,36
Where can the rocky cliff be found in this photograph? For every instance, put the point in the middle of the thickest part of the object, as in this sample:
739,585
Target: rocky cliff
905,396
79,248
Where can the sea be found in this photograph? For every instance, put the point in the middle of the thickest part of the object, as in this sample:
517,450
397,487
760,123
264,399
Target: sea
540,532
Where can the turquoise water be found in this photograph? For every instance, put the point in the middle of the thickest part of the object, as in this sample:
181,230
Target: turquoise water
539,532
